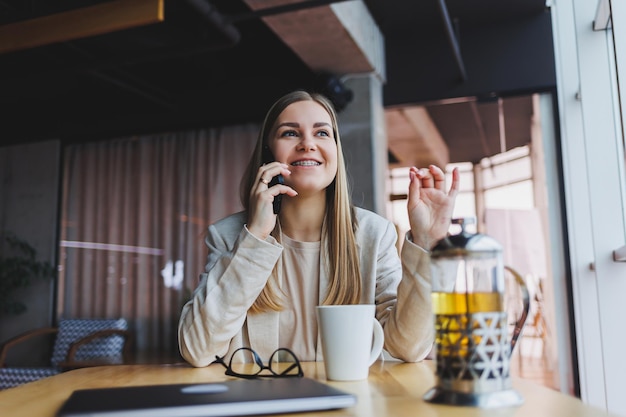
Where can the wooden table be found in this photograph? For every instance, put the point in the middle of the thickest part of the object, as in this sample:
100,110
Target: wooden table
392,389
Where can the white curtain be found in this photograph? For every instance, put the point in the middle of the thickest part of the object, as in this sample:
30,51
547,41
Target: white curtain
134,217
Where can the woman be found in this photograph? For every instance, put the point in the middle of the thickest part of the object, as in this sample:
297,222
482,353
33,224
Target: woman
266,273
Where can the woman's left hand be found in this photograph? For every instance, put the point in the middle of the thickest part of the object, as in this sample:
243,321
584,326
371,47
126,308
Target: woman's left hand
430,206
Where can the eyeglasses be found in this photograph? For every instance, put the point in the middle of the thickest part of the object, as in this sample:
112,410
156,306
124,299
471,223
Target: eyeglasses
246,363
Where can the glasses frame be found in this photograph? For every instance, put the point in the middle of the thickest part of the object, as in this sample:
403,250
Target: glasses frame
262,367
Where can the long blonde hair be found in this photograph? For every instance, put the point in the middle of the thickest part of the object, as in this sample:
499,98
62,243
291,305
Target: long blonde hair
339,249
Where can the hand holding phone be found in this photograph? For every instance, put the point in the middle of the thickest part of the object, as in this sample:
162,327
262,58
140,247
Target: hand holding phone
279,198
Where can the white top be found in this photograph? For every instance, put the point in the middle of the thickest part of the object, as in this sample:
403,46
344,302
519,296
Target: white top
300,284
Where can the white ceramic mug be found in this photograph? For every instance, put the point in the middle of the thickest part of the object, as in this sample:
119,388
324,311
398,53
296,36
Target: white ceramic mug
352,340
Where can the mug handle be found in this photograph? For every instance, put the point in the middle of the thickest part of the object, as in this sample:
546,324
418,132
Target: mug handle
378,341
519,324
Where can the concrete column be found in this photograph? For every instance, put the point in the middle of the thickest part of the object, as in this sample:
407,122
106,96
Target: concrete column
364,139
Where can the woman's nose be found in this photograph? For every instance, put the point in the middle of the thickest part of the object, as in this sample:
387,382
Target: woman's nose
307,143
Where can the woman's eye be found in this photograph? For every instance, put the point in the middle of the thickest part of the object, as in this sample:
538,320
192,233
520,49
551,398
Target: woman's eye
323,133
289,133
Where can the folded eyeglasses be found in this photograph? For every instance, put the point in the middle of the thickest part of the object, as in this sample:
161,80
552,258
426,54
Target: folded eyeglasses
246,363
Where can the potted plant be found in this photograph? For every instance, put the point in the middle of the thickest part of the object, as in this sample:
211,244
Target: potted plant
19,267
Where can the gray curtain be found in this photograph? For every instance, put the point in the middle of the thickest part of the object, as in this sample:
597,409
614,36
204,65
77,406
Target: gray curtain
134,217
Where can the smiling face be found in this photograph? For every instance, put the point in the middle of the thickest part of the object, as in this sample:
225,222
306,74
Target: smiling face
303,138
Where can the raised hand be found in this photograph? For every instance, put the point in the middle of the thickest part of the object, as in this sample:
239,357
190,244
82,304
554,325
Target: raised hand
430,205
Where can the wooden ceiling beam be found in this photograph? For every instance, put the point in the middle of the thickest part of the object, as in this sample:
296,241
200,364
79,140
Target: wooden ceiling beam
80,23
340,38
413,138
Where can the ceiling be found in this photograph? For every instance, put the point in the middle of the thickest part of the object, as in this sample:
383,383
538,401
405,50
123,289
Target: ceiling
217,62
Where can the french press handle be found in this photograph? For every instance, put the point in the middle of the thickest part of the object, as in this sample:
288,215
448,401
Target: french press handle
519,323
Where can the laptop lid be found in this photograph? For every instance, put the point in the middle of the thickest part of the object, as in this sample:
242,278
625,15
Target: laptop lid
228,398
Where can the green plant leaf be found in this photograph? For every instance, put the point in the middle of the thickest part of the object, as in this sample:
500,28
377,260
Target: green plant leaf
19,268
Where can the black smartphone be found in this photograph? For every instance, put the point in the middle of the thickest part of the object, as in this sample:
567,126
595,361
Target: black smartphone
267,158
278,179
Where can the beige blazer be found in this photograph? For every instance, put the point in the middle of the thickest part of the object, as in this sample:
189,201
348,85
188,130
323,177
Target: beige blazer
215,321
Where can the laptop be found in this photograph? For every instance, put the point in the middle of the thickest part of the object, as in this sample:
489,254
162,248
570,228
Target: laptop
228,398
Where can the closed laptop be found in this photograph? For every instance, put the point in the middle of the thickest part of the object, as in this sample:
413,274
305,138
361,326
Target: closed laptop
228,398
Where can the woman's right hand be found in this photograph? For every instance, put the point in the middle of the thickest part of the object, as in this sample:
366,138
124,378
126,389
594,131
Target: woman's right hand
261,217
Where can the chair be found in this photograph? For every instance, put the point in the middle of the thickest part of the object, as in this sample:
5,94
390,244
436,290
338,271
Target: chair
78,343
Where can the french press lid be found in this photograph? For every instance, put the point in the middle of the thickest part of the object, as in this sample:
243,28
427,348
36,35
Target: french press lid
465,243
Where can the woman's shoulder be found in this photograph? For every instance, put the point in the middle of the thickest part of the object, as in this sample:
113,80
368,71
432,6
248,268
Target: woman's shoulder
369,221
230,225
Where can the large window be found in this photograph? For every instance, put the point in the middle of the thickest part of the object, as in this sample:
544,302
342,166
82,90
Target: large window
499,195
505,181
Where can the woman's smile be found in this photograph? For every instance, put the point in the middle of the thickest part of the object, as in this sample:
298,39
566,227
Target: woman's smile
306,163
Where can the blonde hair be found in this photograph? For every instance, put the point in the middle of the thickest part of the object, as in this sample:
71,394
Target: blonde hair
339,250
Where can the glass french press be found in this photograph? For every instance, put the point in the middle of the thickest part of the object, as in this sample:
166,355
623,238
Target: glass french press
472,344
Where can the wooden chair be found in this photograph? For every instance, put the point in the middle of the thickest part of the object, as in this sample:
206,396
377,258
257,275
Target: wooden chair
78,343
